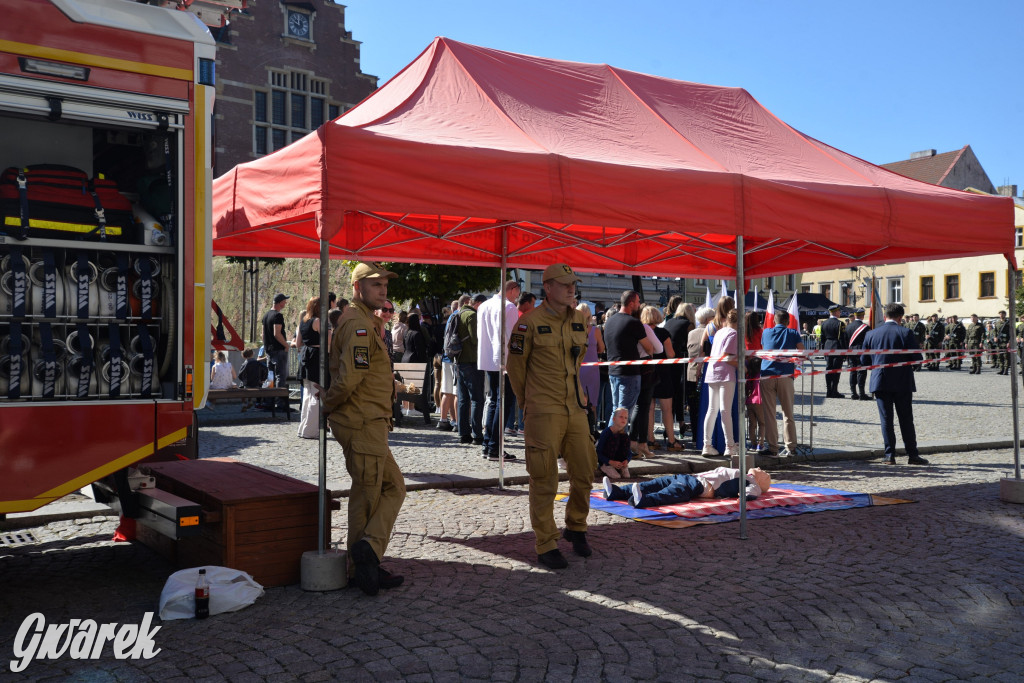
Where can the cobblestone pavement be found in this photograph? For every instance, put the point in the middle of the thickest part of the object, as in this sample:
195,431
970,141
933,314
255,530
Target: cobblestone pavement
928,591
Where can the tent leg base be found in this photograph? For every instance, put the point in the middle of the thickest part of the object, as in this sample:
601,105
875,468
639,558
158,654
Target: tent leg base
1011,490
327,572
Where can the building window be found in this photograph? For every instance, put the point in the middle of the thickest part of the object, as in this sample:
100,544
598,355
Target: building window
769,283
826,290
927,288
805,289
951,287
297,103
260,142
791,283
333,112
259,107
700,282
896,290
847,295
987,285
1020,237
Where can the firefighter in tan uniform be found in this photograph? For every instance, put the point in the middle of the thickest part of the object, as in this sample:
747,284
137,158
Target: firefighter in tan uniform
545,352
358,408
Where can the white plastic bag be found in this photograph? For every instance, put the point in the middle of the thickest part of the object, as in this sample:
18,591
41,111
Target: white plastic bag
230,591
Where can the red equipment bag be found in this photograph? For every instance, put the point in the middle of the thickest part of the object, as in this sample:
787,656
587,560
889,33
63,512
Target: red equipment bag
61,202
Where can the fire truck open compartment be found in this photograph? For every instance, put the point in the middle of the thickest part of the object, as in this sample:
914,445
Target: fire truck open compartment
102,309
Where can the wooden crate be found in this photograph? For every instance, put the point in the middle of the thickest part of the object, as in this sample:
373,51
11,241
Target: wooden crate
254,520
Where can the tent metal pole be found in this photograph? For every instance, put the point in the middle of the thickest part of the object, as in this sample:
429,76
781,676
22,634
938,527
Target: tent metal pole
500,389
1012,280
741,385
324,353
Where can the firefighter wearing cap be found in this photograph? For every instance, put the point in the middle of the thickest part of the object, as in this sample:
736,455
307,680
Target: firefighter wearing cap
832,333
855,332
545,352
358,408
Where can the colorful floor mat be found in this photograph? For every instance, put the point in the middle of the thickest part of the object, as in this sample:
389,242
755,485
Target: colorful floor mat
783,500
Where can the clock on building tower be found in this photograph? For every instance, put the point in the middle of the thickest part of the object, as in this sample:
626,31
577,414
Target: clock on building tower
298,24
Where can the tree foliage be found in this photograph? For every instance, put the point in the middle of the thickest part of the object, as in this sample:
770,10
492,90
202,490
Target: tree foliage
418,281
1018,300
244,260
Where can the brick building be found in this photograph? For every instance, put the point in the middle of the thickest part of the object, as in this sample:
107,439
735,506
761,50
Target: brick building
283,69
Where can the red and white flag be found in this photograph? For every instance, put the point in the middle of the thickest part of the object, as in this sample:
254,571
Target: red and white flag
769,315
794,314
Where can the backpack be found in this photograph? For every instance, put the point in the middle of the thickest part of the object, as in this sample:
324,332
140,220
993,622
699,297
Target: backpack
452,342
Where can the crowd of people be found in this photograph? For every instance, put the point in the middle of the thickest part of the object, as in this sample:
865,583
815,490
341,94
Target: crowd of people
572,411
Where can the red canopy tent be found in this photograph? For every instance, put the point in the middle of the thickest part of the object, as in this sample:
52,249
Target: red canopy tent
473,156
606,169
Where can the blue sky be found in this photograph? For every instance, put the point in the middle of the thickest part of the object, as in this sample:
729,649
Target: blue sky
876,79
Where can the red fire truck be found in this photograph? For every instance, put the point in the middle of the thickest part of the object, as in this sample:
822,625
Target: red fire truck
105,126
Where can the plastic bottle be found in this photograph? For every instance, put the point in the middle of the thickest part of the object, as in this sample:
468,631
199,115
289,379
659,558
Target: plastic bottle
202,596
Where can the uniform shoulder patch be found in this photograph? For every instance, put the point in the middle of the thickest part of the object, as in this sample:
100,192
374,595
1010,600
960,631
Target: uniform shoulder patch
360,333
515,344
361,357
523,327
544,329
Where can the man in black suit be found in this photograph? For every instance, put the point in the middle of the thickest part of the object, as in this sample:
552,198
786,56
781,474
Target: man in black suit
832,335
855,332
894,387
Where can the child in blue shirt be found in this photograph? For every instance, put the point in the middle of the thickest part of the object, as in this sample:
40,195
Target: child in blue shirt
613,454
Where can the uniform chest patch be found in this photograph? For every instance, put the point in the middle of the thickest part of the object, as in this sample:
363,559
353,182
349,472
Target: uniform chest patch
577,327
523,328
360,333
361,357
543,329
515,344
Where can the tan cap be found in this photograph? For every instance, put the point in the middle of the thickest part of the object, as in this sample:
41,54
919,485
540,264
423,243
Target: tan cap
370,271
560,272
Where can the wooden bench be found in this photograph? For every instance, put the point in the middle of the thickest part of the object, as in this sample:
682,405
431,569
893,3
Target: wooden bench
275,393
416,373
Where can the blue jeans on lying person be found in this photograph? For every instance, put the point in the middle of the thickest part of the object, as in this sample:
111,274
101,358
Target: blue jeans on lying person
667,490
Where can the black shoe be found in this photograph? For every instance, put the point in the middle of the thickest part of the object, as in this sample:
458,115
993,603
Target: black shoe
479,441
854,396
386,579
427,421
579,542
865,397
509,457
917,461
888,461
444,426
466,439
838,395
553,559
367,568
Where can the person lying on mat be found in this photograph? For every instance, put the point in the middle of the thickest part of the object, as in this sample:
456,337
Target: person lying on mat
721,482
613,454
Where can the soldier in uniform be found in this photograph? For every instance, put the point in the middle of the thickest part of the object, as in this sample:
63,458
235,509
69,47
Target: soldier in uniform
855,332
358,407
832,334
956,333
934,333
975,340
1003,328
1020,343
545,352
990,343
920,333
